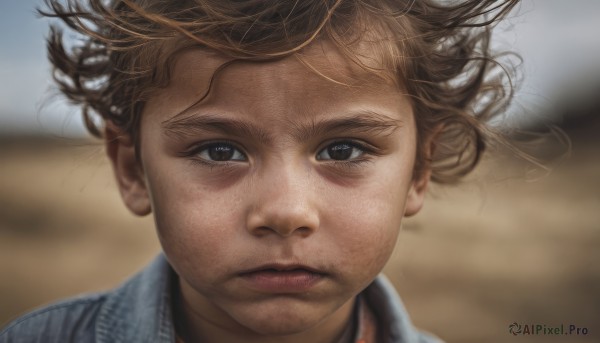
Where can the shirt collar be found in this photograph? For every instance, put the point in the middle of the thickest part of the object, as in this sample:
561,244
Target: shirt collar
140,310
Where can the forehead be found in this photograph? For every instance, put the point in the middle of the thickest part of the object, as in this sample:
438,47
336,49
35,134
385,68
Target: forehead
318,81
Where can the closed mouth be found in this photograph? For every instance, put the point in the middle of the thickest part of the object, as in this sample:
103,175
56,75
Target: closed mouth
282,279
281,268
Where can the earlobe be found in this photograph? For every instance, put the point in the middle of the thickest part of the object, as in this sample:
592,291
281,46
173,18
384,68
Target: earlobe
129,175
416,194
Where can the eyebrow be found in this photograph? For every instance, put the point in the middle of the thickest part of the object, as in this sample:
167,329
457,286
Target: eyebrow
357,122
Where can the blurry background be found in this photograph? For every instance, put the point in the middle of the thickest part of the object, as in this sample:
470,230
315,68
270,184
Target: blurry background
502,247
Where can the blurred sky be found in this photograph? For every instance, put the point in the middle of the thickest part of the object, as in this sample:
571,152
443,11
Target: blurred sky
558,40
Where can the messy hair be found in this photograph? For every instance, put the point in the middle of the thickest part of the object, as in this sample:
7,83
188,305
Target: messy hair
437,50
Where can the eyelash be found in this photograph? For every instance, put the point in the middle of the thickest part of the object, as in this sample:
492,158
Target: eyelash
365,157
196,150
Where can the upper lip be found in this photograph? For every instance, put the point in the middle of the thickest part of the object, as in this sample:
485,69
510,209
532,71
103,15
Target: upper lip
282,267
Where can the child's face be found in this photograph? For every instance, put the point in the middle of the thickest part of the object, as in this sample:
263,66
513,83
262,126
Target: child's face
276,166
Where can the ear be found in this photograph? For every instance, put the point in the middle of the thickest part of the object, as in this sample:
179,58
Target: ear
418,188
416,193
129,174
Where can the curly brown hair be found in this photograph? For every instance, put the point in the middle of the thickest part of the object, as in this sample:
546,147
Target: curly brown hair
438,50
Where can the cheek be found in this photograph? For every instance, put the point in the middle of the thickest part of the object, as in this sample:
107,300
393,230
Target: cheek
369,235
365,226
196,228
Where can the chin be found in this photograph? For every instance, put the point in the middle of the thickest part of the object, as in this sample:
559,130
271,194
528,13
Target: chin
282,321
280,328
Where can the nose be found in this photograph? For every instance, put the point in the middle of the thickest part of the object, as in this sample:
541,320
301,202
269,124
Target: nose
284,203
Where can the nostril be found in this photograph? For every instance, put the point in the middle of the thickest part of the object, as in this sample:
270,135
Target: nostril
304,231
278,221
260,231
263,231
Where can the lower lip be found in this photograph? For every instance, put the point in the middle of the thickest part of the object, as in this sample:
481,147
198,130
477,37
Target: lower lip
289,281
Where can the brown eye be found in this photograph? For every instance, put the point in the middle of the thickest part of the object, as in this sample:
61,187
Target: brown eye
340,151
221,152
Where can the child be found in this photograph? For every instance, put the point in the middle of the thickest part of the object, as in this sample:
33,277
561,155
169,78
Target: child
278,145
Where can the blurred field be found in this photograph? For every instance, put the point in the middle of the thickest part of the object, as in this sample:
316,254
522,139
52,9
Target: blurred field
480,256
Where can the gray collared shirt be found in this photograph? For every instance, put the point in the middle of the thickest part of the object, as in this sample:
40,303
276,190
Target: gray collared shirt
140,311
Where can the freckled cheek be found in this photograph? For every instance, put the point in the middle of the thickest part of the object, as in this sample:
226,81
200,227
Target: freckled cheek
366,237
371,244
196,230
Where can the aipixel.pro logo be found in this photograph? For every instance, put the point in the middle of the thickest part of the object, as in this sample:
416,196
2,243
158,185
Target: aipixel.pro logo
517,329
